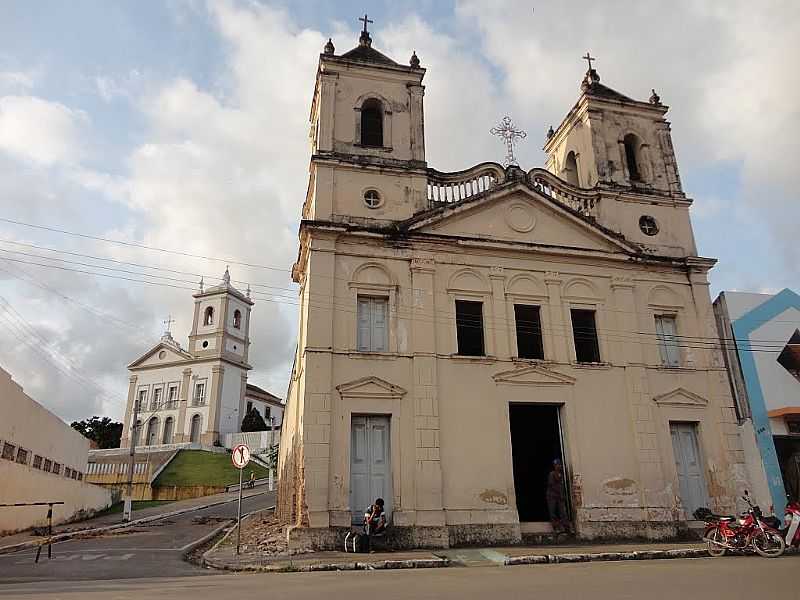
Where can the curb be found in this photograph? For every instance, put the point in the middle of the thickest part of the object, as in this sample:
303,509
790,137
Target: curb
542,559
209,536
61,537
422,563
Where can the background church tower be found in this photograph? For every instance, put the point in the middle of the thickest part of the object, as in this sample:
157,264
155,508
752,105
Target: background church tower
367,136
221,324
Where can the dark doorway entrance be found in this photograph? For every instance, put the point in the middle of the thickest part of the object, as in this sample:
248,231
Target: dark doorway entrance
535,443
788,449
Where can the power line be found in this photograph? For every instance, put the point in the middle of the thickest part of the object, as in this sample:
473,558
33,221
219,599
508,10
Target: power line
135,264
229,261
444,318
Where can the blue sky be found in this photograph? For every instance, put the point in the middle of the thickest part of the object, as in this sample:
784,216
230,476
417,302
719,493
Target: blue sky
134,120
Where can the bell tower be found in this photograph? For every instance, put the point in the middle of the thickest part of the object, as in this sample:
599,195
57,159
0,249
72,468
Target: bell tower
221,324
367,136
609,139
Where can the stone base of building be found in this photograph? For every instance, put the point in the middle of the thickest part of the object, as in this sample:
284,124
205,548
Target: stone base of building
307,539
634,530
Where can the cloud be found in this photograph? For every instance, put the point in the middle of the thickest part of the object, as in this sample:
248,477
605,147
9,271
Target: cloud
219,164
40,131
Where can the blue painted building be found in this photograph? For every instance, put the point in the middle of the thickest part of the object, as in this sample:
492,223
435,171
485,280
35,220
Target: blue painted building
760,335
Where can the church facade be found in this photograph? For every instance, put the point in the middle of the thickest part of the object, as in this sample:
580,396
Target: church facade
195,394
461,331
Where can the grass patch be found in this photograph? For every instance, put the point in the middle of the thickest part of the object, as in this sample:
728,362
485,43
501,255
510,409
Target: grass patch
137,505
198,467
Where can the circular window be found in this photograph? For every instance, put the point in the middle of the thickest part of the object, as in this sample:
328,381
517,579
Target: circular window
162,354
234,346
648,225
372,199
205,344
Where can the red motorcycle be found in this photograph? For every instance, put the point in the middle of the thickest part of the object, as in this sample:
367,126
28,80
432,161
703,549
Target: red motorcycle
723,532
791,530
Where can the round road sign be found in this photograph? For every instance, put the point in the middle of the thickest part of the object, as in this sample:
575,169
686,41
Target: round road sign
240,455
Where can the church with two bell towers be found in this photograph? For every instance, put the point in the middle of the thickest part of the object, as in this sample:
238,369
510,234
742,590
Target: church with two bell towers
197,394
463,334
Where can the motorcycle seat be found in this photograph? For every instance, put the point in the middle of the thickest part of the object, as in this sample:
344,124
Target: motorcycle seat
724,517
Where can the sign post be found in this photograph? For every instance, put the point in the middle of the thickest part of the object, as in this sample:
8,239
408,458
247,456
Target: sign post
240,455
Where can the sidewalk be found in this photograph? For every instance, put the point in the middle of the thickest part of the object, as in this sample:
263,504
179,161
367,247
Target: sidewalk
223,557
252,558
115,520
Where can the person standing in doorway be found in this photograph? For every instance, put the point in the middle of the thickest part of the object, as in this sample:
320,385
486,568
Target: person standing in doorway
556,506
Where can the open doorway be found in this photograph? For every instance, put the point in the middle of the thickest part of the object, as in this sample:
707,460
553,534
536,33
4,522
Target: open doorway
535,444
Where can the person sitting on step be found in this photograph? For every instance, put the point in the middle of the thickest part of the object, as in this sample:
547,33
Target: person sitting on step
375,518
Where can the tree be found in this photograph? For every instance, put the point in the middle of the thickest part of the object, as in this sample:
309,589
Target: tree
253,421
103,431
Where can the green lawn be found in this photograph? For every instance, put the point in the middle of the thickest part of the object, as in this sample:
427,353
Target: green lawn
197,467
137,505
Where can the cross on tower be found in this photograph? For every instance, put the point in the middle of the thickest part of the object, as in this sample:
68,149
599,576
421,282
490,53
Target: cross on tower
510,134
589,58
366,20
168,323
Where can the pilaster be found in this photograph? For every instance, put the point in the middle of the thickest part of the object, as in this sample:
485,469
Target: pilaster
557,330
428,468
499,324
126,425
217,374
183,400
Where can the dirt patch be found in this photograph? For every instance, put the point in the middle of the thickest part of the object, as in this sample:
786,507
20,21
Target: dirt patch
263,535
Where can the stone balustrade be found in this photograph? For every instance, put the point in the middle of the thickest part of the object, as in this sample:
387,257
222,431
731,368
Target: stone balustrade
446,188
449,188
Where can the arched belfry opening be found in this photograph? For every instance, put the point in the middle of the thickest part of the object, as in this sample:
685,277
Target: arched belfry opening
570,173
632,158
372,123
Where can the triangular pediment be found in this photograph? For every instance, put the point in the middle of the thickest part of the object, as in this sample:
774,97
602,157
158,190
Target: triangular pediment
154,356
370,387
533,375
681,397
520,214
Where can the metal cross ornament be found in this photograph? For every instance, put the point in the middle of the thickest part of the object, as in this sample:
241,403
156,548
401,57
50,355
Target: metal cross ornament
366,20
168,323
510,135
589,58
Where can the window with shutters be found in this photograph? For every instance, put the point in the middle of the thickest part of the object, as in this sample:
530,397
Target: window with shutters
469,328
22,456
373,330
8,451
529,331
37,461
584,331
667,334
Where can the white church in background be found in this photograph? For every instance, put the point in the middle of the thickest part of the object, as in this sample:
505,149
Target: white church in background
197,394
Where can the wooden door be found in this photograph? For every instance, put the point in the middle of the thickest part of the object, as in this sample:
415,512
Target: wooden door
689,465
370,464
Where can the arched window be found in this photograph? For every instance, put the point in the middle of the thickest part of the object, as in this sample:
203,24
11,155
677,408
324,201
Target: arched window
372,123
571,169
194,432
208,316
237,319
632,157
169,425
152,432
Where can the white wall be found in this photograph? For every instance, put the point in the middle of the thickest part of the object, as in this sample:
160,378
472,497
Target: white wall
779,387
27,424
230,419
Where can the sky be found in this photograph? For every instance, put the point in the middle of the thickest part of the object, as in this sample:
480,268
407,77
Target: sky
170,140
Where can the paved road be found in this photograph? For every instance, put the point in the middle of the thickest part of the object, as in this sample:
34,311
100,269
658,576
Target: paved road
152,550
727,578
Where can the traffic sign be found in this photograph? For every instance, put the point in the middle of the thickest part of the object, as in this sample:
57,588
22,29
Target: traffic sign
240,456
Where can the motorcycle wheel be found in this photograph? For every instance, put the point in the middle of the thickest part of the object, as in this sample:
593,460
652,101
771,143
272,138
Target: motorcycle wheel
768,544
716,549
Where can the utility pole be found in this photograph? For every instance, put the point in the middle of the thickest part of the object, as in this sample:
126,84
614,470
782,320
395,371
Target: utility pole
271,444
128,506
